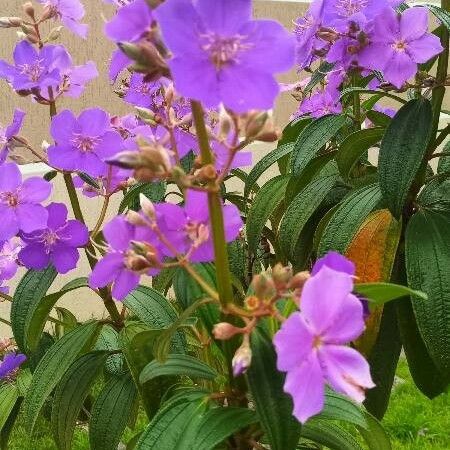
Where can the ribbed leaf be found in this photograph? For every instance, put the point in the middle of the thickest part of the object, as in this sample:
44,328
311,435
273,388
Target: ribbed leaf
441,14
312,139
31,289
347,219
6,430
177,365
153,191
9,394
38,313
402,151
381,293
354,146
378,118
303,206
111,411
220,423
375,436
70,395
265,203
109,340
273,406
338,407
54,365
428,267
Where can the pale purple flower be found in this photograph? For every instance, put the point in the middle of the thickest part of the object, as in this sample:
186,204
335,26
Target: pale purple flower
76,78
107,184
131,23
143,93
55,244
82,144
336,261
117,266
20,208
70,12
6,134
8,258
10,364
311,344
221,55
321,103
119,61
3,289
398,43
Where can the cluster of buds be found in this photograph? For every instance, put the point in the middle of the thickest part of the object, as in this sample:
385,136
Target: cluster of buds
10,22
259,126
6,344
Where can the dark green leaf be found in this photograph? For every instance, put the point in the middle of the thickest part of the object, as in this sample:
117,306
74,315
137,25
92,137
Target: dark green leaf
360,90
31,289
6,430
9,394
265,203
54,365
177,365
153,191
70,395
89,180
111,412
312,139
441,14
381,293
402,150
50,175
375,436
378,118
318,76
428,266
273,406
338,407
109,340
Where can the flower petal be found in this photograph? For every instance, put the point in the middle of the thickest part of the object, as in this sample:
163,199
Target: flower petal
63,126
413,23
94,122
423,49
9,225
35,190
34,256
125,282
10,177
118,233
75,234
399,69
31,217
64,258
106,270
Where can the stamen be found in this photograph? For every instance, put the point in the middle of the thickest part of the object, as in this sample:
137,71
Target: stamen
85,143
348,8
33,71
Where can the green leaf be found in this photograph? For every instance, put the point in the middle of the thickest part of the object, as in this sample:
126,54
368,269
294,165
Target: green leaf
54,365
427,266
354,146
265,203
9,394
174,425
70,395
375,436
273,406
111,411
441,14
69,319
6,430
381,293
444,161
379,119
31,289
360,90
220,423
331,435
177,365
312,139
38,313
338,407
89,180
317,76
109,340
153,191
155,311
348,218
402,151
303,206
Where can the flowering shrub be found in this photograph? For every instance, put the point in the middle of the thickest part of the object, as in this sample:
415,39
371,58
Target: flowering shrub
242,320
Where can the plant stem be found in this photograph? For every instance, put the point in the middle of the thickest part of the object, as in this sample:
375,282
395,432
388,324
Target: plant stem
5,322
101,218
215,212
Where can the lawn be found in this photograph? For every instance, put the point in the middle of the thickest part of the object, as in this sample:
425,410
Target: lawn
412,421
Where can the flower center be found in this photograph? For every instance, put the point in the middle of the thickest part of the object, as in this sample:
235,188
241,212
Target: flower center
400,46
223,50
347,8
11,199
304,24
85,144
317,342
33,71
50,238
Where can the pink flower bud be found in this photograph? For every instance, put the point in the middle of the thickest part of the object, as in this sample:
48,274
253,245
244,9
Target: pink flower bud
225,330
242,358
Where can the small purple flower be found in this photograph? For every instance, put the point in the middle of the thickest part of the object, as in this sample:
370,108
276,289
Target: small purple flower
142,93
33,69
57,244
70,12
76,78
398,43
9,251
108,184
20,207
118,265
10,364
131,22
336,261
9,132
311,344
321,104
220,55
82,144
3,289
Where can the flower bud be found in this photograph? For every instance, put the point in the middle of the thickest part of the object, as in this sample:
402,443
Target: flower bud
28,8
252,303
242,358
327,34
225,124
263,286
136,219
281,276
255,123
299,280
55,34
148,208
10,22
225,330
147,116
206,173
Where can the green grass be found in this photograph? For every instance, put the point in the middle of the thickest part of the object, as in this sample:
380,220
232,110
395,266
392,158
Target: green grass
412,421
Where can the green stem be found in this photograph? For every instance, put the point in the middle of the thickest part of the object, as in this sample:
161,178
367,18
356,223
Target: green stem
224,285
356,104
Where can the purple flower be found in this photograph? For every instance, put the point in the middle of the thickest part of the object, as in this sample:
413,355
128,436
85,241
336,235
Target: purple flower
119,61
311,344
57,243
8,258
336,261
131,22
11,362
119,265
33,69
189,228
321,104
76,78
108,184
20,207
70,12
398,43
142,93
220,55
3,289
9,132
82,144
